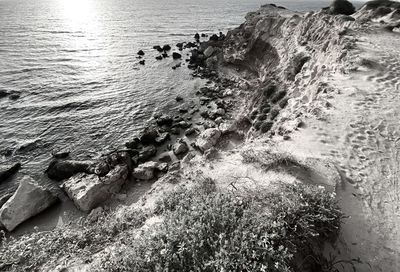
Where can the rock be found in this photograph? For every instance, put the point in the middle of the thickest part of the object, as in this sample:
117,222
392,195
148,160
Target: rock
164,120
209,51
341,7
89,191
228,127
162,167
158,48
165,55
145,171
178,98
175,131
140,53
214,38
208,139
95,214
197,36
189,156
162,138
63,169
147,153
175,166
29,200
166,47
159,58
4,199
149,135
133,144
190,131
176,55
165,158
3,93
180,147
142,62
7,171
14,96
190,45
184,124
179,45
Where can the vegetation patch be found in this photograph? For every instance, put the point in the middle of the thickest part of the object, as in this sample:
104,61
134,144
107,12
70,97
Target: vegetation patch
207,230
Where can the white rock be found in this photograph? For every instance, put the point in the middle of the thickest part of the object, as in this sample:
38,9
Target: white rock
208,138
29,200
145,171
89,191
227,127
180,147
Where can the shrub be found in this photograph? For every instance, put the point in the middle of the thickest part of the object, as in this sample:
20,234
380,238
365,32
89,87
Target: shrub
342,7
207,230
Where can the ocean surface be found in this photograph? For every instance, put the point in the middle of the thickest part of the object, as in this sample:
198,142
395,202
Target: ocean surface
75,67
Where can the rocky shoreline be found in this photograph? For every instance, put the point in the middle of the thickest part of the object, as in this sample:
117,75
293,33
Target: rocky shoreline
266,79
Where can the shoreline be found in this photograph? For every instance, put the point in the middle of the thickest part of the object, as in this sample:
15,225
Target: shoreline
281,89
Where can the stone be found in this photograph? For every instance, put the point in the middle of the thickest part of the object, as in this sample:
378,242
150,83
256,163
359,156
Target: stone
175,166
145,171
29,200
60,154
162,167
89,191
228,127
184,124
7,171
142,62
63,169
208,139
149,135
4,198
178,98
209,51
3,93
164,120
147,152
341,7
197,36
140,53
162,138
158,48
159,58
133,144
14,96
165,158
180,147
176,55
190,131
166,47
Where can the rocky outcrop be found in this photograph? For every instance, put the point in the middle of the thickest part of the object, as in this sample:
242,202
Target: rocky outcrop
29,200
7,171
342,7
62,169
88,191
145,171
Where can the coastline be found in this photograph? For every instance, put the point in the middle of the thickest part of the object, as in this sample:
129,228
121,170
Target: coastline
274,88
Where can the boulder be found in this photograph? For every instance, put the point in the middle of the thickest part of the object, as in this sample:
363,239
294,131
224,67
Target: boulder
341,7
166,47
142,62
89,191
149,135
162,138
159,58
176,55
140,53
64,169
228,127
208,139
164,120
3,93
180,147
29,200
165,158
7,171
158,48
197,36
147,152
145,171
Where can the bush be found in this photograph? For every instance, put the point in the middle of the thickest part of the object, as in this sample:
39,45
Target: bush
207,230
342,7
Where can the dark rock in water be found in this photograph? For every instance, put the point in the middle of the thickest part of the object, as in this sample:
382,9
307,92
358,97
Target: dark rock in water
190,45
60,155
166,47
179,45
214,38
159,58
142,62
7,172
149,135
179,98
63,169
3,93
158,48
147,152
14,96
140,53
176,66
203,35
184,124
176,55
164,120
197,36
29,200
165,55
162,138
342,7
